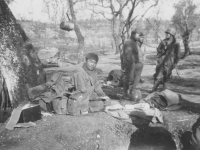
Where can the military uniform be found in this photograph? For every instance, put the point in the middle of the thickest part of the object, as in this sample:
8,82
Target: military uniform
86,81
185,38
133,64
191,139
168,57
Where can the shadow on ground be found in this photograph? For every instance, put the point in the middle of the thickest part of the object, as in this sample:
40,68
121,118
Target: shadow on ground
152,138
191,107
186,82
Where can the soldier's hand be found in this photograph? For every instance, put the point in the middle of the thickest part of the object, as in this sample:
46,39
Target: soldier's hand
104,98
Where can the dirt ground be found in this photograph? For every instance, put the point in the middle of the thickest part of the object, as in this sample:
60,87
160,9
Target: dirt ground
100,131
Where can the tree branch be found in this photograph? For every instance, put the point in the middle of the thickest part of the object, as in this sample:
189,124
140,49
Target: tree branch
112,7
98,5
122,7
153,5
101,13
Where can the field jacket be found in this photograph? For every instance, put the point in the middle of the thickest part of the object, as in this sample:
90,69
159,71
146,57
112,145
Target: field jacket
132,51
86,83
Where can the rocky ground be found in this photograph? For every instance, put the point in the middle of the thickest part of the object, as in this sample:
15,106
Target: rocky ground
102,132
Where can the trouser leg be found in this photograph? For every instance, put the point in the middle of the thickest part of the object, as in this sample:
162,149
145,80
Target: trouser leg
137,75
158,79
187,50
127,78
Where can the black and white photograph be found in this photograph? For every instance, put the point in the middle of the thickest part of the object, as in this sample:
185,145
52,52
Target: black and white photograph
99,74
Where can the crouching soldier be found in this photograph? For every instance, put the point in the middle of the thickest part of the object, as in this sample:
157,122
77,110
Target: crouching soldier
168,57
133,63
86,82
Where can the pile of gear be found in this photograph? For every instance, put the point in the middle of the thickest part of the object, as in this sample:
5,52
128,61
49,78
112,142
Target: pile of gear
57,95
147,110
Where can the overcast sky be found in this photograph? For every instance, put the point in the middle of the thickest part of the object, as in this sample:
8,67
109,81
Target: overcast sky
35,10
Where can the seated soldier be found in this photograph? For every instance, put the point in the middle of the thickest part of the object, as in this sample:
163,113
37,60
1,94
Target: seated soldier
191,139
86,81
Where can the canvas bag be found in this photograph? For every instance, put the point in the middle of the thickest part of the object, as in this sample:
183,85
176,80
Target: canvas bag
50,94
166,100
78,103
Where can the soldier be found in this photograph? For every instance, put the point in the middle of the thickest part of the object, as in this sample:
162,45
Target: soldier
133,63
191,139
86,81
186,40
141,40
168,57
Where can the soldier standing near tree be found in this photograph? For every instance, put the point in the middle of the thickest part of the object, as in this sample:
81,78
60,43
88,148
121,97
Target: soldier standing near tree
168,57
133,63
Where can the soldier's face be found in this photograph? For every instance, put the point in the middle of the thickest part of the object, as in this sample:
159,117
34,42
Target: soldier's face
137,36
91,64
167,35
141,39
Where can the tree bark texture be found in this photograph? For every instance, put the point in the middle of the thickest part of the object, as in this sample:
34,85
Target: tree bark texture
186,46
116,31
18,63
77,31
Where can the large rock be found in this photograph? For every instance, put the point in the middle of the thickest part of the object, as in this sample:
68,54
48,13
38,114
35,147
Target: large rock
47,55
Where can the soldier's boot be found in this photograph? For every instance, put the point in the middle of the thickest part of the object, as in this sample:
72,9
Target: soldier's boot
165,86
125,91
156,85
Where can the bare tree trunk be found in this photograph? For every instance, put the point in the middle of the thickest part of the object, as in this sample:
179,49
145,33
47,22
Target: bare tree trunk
19,67
115,33
78,32
186,46
186,38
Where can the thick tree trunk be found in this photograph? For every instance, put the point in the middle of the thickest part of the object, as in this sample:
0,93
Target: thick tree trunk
78,32
18,66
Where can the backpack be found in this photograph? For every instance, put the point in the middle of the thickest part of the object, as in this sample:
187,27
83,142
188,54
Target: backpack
78,103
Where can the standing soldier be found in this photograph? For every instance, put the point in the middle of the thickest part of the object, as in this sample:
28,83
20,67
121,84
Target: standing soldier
133,63
143,49
186,41
168,57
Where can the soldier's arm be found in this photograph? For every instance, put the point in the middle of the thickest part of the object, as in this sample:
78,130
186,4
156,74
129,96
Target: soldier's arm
161,47
79,82
98,90
135,51
177,53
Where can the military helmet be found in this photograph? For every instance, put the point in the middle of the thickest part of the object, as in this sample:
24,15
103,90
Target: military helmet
135,95
171,31
141,34
136,30
92,56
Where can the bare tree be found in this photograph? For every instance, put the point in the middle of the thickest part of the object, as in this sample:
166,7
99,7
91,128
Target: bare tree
184,20
107,7
19,65
157,23
131,20
77,30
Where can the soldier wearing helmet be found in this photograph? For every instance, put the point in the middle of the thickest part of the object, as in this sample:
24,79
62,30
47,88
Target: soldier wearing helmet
133,63
168,53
